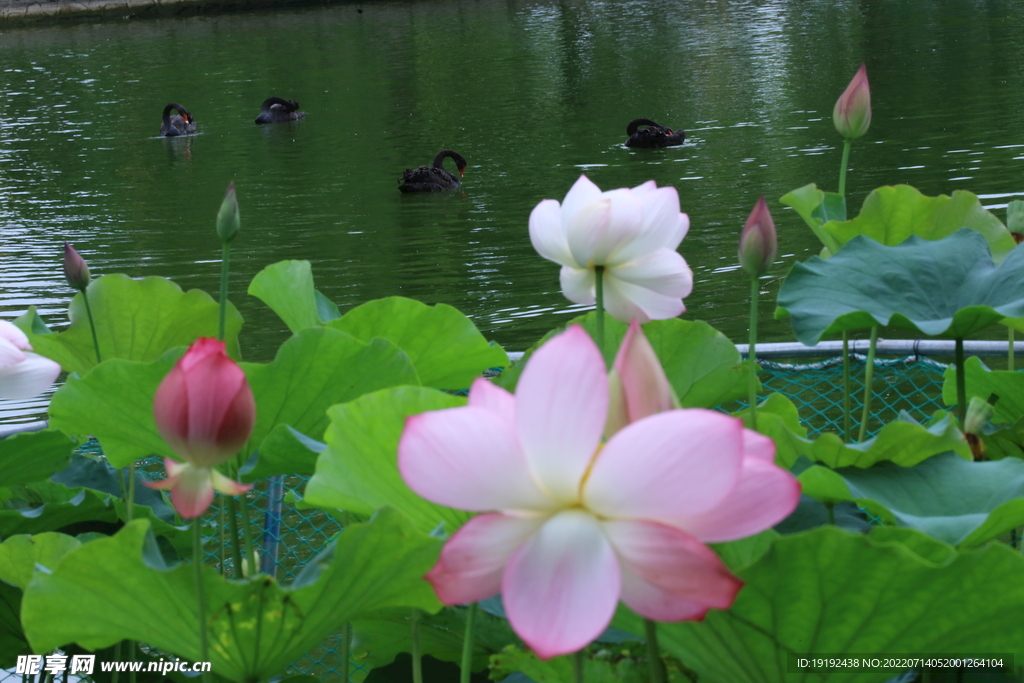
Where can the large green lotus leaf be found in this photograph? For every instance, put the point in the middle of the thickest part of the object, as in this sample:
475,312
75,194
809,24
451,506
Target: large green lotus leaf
33,456
959,502
257,627
779,420
12,638
946,288
287,288
893,213
376,642
818,207
702,365
315,369
980,381
114,403
446,349
20,554
90,473
135,320
283,451
904,442
828,591
84,507
359,469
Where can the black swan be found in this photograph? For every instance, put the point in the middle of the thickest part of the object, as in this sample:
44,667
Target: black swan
433,178
276,110
181,123
653,135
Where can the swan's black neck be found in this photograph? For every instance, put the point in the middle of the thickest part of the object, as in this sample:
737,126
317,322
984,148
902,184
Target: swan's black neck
636,123
174,105
460,163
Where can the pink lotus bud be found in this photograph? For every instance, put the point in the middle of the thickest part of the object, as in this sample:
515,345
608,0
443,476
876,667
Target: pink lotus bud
758,242
637,383
852,114
75,268
204,407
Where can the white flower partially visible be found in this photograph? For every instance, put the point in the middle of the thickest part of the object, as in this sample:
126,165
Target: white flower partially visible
632,233
22,374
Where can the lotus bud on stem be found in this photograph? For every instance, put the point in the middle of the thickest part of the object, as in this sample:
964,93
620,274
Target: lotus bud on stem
76,271
758,247
852,118
228,224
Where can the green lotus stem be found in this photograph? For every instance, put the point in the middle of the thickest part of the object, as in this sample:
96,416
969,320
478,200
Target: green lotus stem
656,667
223,538
92,327
830,513
197,560
842,168
577,666
117,658
129,501
599,305
131,658
752,354
961,383
1009,353
847,398
346,631
250,548
869,372
236,550
224,261
417,649
466,670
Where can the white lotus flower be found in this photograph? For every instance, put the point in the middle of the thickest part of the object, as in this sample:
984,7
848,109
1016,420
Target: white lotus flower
632,233
22,374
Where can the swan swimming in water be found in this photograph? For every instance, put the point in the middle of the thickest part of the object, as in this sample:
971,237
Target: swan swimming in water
433,178
653,135
276,110
181,123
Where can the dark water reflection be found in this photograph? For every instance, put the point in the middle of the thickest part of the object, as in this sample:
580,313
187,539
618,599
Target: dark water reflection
531,93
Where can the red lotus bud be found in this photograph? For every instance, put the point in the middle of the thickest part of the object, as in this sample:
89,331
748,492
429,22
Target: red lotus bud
852,113
75,268
204,407
758,242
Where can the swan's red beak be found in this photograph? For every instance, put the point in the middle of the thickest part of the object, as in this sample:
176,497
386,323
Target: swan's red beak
462,172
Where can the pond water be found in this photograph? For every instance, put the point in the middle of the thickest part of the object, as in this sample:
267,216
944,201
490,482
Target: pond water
532,93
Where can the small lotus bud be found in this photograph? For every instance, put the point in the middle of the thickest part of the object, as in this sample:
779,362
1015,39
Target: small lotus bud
75,269
979,412
852,113
758,241
228,221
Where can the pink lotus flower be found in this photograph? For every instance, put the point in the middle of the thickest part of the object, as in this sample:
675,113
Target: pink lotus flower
573,524
22,374
205,411
633,234
758,241
638,387
852,113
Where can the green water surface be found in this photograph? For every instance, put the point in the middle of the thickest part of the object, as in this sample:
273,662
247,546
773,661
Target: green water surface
532,93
